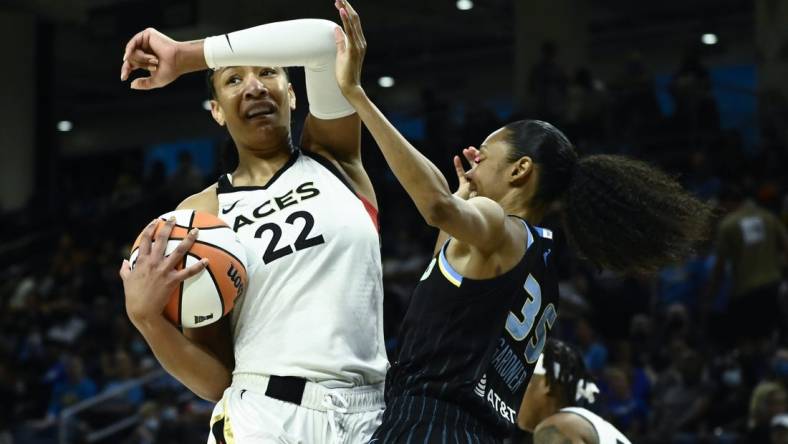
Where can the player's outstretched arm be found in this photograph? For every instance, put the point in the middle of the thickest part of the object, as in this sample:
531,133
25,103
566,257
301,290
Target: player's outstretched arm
478,221
204,369
332,128
164,58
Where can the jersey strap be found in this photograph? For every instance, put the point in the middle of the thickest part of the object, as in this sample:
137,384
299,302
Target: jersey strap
371,210
456,278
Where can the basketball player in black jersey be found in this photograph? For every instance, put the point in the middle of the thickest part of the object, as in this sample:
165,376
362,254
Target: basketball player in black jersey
479,318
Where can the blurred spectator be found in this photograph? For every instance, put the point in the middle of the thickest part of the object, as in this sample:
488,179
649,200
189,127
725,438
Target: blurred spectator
643,342
594,351
636,108
119,370
696,110
779,430
548,85
751,240
768,400
626,412
148,429
728,410
683,282
585,107
187,178
76,387
681,399
779,366
638,376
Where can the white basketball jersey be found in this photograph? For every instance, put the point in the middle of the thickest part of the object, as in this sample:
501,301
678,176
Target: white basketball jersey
314,304
607,433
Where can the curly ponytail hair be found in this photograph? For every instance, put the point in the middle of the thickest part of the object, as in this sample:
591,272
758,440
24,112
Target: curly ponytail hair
620,213
626,215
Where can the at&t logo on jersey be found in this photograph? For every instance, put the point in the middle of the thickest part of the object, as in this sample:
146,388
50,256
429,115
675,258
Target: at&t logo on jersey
500,406
481,386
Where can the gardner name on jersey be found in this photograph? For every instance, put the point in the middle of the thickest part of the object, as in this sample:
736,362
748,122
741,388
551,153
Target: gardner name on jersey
473,342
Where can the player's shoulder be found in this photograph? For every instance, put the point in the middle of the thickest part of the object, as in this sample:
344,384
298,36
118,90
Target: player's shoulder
730,222
565,427
205,200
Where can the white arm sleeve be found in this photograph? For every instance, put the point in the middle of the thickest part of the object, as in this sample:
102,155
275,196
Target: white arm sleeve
306,42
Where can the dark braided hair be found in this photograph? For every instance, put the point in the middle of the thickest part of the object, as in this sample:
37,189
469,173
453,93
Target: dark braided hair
563,385
620,213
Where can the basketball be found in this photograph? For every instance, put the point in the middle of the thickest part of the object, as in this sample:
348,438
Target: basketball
204,298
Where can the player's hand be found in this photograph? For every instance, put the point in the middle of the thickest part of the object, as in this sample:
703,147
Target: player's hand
465,190
155,52
351,48
155,276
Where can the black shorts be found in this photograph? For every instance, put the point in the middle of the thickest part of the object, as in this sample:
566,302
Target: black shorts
755,314
419,419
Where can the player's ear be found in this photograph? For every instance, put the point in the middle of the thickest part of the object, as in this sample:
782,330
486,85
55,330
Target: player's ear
217,113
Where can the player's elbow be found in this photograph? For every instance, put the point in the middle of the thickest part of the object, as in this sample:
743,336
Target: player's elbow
212,392
323,32
438,210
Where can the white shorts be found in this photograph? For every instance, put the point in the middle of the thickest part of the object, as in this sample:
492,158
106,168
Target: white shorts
245,415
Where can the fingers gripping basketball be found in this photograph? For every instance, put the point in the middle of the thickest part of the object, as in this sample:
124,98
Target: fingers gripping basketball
203,297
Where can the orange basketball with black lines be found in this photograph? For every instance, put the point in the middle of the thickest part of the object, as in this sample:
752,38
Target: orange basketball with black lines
204,298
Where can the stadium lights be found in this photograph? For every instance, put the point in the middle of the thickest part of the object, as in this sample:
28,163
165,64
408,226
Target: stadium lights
709,39
386,82
464,5
64,126
206,105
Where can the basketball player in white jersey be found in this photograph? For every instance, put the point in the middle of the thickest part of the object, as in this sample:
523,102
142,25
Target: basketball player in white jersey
301,358
549,408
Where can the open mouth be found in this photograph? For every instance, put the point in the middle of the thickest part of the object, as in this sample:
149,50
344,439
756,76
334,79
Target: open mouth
260,110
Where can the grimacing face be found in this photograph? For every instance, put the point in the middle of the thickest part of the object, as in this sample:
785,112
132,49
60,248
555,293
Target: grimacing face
254,102
486,177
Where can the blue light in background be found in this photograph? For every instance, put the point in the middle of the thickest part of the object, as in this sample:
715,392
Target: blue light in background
734,88
203,154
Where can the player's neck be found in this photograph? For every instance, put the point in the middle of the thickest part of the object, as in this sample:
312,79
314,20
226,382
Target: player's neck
514,203
533,215
258,167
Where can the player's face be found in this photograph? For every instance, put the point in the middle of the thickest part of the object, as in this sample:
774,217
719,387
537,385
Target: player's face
255,104
485,177
533,408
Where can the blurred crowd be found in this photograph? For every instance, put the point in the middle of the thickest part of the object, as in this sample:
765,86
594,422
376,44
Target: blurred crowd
697,353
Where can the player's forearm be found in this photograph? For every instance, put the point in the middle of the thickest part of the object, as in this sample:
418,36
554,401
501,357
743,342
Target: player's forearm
421,179
190,56
305,42
196,368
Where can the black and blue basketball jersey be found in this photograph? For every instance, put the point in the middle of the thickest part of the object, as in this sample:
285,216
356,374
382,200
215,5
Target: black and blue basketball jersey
474,343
